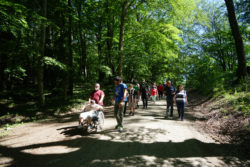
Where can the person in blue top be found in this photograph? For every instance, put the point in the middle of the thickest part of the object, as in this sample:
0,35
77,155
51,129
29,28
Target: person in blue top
120,97
170,93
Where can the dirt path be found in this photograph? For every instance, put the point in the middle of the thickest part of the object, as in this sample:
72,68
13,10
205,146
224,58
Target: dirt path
148,140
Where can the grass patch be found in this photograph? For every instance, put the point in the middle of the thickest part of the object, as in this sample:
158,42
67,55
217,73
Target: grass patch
7,128
240,101
238,97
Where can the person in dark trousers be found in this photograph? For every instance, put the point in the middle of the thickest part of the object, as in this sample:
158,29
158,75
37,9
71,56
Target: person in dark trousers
181,101
170,93
137,97
132,99
144,94
125,100
120,95
160,89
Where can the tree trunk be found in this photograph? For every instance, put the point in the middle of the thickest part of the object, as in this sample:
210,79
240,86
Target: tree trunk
99,47
121,38
40,65
84,55
70,73
63,56
242,70
110,35
3,65
83,46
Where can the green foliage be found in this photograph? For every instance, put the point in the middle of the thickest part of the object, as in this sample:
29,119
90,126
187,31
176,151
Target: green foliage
106,70
240,101
49,61
186,41
18,73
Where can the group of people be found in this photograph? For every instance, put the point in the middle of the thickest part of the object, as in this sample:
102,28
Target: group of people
131,96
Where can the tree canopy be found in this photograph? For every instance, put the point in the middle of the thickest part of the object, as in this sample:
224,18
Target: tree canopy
54,46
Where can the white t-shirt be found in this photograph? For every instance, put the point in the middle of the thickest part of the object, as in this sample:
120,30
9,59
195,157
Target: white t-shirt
181,96
89,111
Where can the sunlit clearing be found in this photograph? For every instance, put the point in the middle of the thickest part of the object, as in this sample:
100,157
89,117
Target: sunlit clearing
50,150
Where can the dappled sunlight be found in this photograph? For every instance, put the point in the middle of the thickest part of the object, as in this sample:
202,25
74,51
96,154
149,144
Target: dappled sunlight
50,150
89,151
153,161
138,134
146,141
4,161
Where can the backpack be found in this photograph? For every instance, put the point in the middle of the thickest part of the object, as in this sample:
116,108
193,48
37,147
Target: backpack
132,92
144,88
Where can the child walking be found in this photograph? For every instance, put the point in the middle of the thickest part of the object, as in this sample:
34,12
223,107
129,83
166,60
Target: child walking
132,99
154,93
181,101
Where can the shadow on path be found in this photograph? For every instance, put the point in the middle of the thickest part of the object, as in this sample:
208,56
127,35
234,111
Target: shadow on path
94,152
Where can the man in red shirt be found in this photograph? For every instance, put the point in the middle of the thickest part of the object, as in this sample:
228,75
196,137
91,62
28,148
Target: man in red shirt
97,95
160,90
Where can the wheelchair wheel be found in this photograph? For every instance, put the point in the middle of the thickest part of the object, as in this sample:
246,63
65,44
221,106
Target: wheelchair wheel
101,120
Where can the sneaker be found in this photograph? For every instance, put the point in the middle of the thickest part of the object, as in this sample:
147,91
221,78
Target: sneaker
133,114
130,113
121,129
117,126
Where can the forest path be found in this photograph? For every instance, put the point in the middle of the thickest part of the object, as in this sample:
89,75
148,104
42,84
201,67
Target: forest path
148,140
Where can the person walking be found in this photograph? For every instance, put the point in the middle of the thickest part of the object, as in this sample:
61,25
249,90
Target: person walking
137,97
154,93
132,99
125,100
160,89
97,95
170,93
181,101
120,95
144,94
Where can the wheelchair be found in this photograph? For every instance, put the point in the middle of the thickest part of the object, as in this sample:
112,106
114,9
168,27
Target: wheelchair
95,123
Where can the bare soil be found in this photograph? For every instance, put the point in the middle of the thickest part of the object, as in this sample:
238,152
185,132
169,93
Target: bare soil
148,140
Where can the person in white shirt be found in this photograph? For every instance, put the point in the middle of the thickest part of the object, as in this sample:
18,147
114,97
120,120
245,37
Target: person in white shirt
181,101
89,112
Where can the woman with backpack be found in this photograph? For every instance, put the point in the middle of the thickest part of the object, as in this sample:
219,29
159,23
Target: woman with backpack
144,90
181,101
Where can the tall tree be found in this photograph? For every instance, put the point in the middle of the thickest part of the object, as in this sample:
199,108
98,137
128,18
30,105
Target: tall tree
110,35
121,37
82,39
40,64
70,50
242,70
